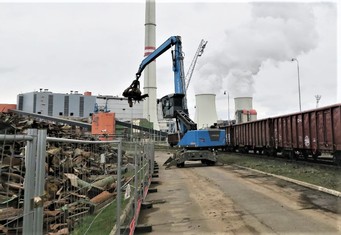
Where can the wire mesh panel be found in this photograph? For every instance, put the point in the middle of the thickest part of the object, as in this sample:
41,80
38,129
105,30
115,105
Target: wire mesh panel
81,186
12,172
69,185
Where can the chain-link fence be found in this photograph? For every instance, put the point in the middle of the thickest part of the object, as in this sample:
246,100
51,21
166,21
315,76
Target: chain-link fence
67,186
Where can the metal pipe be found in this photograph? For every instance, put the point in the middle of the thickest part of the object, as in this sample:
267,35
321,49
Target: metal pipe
15,137
30,156
53,139
40,180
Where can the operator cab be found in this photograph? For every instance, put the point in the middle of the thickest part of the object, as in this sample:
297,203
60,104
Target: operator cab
171,104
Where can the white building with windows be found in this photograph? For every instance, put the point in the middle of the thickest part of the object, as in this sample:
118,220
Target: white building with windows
48,103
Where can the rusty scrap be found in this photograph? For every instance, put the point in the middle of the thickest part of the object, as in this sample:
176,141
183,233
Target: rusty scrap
80,178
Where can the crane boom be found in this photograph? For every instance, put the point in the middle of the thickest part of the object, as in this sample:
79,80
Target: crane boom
177,61
133,92
199,52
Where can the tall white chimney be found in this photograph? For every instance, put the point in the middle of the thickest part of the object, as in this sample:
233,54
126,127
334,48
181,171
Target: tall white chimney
150,104
205,111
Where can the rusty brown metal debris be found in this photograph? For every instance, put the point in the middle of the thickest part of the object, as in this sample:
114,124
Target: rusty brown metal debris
77,181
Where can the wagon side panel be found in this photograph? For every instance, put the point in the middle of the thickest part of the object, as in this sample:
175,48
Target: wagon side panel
337,127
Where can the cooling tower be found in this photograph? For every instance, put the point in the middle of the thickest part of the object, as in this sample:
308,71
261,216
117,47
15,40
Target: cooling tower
243,110
241,103
205,112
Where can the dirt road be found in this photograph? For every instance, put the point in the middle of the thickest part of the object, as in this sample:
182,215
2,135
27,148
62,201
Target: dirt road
227,200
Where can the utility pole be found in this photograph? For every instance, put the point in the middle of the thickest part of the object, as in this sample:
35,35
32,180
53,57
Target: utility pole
228,106
318,97
299,83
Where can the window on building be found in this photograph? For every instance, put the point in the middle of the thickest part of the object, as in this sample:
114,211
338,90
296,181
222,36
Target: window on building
21,102
81,106
34,103
66,105
50,105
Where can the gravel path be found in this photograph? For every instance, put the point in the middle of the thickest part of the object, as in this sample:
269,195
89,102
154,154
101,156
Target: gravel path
227,200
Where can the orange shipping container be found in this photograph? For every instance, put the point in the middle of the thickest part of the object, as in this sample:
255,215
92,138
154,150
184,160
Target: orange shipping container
103,124
5,107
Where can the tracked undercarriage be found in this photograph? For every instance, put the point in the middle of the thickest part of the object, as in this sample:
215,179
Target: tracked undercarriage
178,159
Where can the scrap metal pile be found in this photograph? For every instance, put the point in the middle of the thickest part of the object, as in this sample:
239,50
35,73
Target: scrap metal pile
80,178
11,123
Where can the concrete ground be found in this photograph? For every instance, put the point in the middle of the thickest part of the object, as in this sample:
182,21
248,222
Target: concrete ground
225,200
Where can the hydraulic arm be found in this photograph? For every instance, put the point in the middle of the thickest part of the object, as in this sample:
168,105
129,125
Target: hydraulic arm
133,92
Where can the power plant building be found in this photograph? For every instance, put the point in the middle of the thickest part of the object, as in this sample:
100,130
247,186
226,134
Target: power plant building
77,105
119,106
56,104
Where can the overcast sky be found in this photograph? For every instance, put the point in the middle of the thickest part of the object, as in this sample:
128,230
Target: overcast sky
97,47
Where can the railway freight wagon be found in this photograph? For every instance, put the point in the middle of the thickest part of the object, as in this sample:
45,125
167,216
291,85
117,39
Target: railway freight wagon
255,135
311,132
308,133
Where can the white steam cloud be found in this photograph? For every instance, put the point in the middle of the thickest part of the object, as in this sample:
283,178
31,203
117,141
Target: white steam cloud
276,32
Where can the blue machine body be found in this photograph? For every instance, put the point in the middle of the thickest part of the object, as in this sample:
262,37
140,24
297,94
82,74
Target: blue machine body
203,139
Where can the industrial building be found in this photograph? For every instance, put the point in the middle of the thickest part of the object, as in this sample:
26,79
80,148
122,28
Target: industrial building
5,107
78,105
119,106
48,103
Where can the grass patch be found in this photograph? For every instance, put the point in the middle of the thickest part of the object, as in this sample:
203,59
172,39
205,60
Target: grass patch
102,224
106,218
317,175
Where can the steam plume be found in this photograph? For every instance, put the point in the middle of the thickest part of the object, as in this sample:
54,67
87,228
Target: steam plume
276,32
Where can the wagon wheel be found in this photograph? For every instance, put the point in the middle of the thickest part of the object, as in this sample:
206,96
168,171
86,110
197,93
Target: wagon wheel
305,155
315,155
292,155
295,155
337,158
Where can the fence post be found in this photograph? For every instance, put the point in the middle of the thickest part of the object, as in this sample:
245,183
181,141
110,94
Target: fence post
140,155
40,181
135,185
30,158
118,209
152,156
